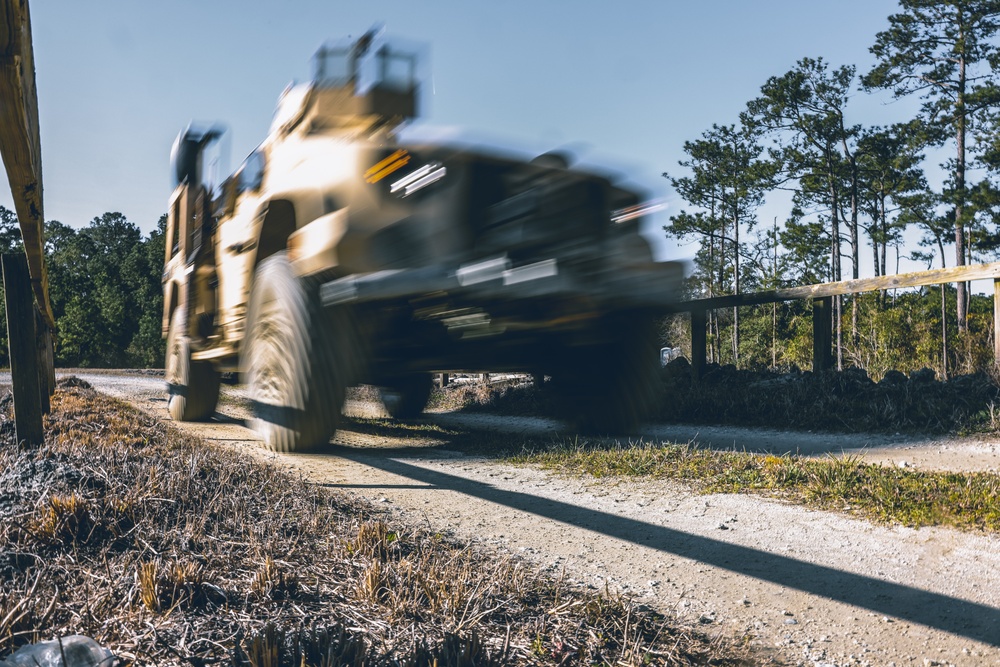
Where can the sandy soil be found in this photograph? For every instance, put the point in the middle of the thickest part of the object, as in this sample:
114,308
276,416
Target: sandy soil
817,588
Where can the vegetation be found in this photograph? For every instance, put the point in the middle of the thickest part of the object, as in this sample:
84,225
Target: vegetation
104,283
854,185
847,401
900,332
969,501
173,552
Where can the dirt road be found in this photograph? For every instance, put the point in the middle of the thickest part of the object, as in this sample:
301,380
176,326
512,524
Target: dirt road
817,587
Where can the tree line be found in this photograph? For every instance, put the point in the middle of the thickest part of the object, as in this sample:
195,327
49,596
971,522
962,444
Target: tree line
105,288
855,189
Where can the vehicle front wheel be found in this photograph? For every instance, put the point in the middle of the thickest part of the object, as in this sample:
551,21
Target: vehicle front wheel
296,383
192,386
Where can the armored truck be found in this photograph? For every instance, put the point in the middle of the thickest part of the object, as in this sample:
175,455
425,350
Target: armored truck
338,255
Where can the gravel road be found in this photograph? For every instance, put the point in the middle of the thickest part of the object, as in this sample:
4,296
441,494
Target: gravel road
817,588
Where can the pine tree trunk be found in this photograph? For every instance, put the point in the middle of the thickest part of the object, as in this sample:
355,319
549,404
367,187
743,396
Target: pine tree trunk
944,334
736,309
962,288
835,262
774,306
774,335
722,281
884,227
855,239
944,314
711,289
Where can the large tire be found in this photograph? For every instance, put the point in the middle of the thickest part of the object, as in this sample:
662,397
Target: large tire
614,386
407,396
192,386
296,383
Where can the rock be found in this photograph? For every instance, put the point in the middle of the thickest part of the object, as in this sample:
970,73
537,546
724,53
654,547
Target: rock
923,376
78,650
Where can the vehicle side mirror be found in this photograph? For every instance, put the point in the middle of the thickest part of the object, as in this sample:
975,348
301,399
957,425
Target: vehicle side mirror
185,158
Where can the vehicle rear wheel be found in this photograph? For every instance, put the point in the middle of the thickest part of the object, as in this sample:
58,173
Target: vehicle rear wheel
407,396
296,377
613,386
192,386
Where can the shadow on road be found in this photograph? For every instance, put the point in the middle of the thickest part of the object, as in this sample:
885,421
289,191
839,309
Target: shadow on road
960,617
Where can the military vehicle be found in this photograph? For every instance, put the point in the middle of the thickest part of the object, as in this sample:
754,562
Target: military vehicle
336,255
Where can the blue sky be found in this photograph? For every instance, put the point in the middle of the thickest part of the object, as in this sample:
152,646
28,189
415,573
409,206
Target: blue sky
622,84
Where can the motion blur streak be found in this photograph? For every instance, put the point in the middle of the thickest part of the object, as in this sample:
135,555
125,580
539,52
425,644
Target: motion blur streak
637,211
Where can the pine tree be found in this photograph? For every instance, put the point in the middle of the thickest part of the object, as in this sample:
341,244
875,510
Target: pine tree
945,52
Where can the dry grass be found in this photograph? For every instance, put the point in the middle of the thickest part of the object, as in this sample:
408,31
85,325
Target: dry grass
170,551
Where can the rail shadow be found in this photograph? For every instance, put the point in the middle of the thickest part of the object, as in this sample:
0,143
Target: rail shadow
972,620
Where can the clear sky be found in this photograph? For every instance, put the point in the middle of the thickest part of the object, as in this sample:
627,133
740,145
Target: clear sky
623,84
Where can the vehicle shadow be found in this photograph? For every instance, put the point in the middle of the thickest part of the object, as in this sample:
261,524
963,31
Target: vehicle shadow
972,620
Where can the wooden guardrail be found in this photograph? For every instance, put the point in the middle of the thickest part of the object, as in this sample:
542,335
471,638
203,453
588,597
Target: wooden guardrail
20,144
822,297
29,321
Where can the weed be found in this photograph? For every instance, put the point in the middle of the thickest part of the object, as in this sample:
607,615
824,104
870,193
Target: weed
148,586
63,520
374,540
274,582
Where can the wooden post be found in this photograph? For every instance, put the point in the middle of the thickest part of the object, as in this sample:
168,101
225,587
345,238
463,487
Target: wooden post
50,361
822,334
698,343
23,350
444,380
45,387
996,321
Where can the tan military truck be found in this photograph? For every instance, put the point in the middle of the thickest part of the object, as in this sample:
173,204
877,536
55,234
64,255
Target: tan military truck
335,255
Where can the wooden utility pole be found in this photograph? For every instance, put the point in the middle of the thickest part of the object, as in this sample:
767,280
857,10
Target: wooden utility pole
20,144
823,334
698,343
23,350
29,328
